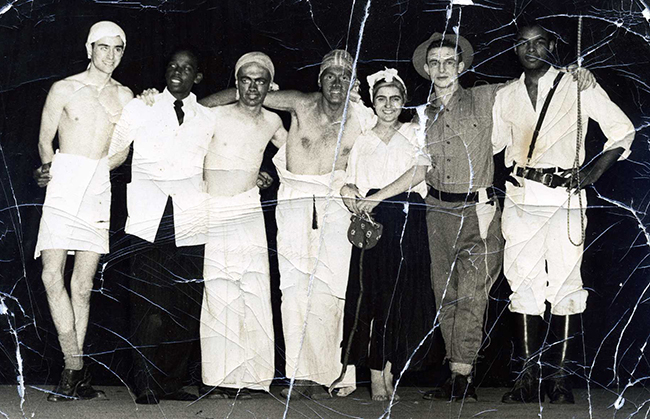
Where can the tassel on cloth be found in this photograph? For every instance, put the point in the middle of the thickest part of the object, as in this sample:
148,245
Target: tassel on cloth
314,219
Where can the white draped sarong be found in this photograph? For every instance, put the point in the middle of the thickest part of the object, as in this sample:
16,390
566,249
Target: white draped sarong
314,260
237,341
77,205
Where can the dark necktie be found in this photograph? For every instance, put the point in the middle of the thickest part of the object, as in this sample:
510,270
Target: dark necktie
178,105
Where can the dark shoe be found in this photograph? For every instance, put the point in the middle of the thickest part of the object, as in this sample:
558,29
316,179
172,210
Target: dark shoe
85,391
458,387
180,395
66,389
464,389
148,396
559,391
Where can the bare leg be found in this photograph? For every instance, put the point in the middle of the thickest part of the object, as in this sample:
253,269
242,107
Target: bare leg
388,381
85,267
377,386
61,306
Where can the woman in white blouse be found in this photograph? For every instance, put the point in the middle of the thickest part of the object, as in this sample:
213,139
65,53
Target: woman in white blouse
397,306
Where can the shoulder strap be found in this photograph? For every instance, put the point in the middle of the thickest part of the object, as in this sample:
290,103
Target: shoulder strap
542,114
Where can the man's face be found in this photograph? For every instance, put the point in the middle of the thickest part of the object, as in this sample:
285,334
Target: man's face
388,102
534,48
107,53
335,82
443,66
182,74
253,82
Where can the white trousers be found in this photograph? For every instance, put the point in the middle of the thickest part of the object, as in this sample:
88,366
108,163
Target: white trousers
540,263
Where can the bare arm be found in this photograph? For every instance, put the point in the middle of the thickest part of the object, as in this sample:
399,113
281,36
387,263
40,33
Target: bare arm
280,136
122,137
221,98
411,177
52,111
591,174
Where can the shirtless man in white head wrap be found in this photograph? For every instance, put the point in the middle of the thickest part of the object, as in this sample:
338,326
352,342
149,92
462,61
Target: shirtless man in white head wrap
237,345
83,109
313,250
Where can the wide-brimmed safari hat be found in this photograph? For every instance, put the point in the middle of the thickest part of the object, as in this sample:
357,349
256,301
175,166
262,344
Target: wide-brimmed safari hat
420,54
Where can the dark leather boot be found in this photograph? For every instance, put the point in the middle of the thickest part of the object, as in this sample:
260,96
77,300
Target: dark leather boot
566,330
528,334
85,391
67,386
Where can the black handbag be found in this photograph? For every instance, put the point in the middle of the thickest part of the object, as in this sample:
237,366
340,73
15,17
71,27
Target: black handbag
364,232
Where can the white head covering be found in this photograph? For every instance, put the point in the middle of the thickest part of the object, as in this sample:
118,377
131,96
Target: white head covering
258,58
389,75
100,30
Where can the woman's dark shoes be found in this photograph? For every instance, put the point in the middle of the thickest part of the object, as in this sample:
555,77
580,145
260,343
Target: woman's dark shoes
66,389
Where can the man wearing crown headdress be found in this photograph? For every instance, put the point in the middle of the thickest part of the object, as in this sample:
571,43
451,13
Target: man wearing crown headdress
82,109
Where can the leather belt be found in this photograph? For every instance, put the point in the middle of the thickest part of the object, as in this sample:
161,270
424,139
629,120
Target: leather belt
546,176
458,197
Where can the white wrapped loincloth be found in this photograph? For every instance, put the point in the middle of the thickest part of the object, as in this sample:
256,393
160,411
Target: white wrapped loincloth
77,205
313,254
237,341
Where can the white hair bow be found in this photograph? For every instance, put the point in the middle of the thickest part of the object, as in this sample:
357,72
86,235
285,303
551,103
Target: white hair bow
389,75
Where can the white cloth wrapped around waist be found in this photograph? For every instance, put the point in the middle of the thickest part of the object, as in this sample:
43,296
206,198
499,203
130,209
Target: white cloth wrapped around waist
223,210
301,186
76,211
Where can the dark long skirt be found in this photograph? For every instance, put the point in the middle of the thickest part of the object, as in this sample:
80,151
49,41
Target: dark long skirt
397,306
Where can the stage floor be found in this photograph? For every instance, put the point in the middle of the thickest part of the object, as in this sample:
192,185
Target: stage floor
357,405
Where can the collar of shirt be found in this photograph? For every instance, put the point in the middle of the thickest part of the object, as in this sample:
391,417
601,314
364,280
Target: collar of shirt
436,106
543,86
189,103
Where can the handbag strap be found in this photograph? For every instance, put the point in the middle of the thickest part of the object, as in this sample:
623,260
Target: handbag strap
542,114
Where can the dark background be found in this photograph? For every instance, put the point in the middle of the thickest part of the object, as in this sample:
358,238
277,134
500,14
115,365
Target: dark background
43,41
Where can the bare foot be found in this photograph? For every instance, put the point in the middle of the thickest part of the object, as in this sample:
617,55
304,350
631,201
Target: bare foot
377,386
388,382
345,391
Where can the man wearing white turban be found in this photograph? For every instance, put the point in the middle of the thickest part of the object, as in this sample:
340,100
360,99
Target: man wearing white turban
237,345
83,109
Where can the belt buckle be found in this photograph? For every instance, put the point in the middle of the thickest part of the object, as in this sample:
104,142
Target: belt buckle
547,179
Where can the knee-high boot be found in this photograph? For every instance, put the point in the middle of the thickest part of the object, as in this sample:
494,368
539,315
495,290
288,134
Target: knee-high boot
528,334
561,356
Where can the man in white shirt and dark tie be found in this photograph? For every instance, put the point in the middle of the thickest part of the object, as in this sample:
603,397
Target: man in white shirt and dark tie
167,223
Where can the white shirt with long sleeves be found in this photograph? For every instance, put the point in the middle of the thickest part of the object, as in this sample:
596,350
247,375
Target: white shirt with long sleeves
167,161
373,164
515,119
